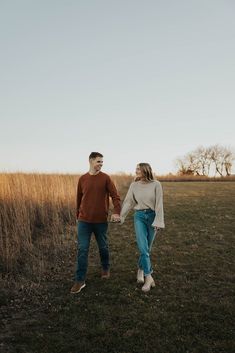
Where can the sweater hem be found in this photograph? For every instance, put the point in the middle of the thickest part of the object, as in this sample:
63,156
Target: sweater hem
92,221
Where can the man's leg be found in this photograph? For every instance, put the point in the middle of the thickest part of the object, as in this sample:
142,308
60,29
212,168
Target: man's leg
84,237
100,231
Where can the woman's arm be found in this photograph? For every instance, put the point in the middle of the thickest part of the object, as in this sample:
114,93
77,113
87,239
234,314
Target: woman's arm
159,218
128,203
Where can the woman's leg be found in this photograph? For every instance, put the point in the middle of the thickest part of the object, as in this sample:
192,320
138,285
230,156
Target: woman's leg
151,233
141,230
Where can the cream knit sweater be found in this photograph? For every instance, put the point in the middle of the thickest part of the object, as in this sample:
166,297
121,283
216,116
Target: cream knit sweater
142,196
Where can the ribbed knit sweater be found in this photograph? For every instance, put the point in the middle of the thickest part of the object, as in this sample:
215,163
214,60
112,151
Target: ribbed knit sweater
93,193
142,196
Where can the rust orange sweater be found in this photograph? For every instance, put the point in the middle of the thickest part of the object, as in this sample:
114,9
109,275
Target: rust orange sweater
93,193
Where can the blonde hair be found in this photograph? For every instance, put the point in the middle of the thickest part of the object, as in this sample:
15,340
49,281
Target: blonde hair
146,171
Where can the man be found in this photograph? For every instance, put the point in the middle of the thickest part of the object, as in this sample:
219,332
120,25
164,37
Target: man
93,191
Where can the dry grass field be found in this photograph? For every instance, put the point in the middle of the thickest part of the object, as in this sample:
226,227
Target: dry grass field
191,309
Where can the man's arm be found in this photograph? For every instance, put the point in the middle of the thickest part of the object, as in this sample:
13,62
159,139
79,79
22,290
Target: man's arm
79,197
115,199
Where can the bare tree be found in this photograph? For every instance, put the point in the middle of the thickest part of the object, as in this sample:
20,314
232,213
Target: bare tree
188,165
183,167
223,159
201,160
203,156
229,157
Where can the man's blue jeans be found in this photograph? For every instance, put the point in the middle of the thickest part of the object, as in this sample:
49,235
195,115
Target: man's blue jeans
145,235
85,231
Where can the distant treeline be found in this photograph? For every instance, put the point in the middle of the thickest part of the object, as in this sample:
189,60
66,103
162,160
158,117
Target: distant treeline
199,178
128,178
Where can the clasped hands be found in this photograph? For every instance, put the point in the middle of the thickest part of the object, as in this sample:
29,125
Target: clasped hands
115,218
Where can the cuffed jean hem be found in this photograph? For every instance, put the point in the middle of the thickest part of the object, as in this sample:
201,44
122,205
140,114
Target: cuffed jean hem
145,274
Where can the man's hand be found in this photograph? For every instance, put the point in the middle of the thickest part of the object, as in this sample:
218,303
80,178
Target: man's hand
115,218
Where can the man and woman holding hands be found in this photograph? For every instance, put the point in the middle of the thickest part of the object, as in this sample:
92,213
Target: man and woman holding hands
93,192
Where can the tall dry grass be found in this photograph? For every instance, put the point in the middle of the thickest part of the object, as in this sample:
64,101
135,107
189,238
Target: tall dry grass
35,210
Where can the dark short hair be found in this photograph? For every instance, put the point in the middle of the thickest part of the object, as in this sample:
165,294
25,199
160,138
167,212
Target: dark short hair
93,155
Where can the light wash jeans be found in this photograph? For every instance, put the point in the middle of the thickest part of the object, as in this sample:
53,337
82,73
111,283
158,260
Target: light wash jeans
145,235
85,231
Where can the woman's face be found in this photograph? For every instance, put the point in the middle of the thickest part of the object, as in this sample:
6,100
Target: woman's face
138,171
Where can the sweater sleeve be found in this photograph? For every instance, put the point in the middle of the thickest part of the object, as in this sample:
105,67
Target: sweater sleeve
159,218
79,196
128,203
114,195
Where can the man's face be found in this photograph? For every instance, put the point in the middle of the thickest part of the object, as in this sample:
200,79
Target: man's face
96,163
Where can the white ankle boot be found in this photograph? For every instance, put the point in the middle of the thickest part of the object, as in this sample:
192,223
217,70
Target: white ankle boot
140,276
149,282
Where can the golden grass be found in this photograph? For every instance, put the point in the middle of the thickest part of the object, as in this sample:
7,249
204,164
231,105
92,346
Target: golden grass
32,205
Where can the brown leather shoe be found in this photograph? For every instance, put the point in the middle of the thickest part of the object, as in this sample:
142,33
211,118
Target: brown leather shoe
77,287
105,274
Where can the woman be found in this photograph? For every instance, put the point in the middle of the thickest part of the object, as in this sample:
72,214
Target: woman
145,196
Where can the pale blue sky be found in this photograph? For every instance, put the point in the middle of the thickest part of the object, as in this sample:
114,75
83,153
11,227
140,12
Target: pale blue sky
139,81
